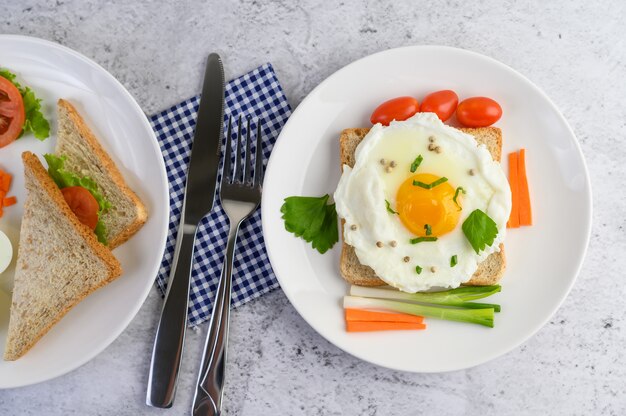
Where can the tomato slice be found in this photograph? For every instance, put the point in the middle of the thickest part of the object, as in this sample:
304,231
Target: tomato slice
443,103
478,112
398,109
83,204
12,115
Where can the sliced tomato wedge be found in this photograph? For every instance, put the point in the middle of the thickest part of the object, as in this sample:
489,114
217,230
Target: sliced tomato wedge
12,115
83,204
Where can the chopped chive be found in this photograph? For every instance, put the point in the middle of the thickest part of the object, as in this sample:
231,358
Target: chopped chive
453,261
456,195
429,230
416,163
418,269
389,209
430,185
421,239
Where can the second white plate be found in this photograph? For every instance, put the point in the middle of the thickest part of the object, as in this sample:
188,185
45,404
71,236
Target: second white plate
543,260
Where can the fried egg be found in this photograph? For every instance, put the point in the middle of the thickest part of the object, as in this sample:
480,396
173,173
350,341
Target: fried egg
420,178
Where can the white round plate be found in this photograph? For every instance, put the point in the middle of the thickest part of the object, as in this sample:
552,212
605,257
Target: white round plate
54,72
542,260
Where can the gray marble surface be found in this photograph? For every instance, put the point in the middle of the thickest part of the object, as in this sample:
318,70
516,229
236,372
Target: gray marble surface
574,51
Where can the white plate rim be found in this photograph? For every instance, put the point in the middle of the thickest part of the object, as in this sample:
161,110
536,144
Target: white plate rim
164,228
274,256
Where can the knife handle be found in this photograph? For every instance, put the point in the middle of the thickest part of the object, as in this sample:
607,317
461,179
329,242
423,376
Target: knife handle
170,336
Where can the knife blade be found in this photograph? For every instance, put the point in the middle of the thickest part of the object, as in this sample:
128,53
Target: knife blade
197,202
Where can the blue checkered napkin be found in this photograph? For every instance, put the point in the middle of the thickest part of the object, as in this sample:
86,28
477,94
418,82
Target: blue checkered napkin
259,96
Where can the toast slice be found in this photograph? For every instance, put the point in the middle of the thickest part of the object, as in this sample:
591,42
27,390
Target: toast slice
86,157
489,272
59,262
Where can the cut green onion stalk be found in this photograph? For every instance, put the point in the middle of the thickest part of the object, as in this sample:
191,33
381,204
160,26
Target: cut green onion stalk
422,239
430,185
416,163
474,316
450,297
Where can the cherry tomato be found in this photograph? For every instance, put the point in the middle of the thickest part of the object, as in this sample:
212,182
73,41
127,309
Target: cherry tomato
443,103
83,204
12,113
478,112
397,109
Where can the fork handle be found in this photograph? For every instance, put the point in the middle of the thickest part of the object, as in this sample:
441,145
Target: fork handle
209,391
170,336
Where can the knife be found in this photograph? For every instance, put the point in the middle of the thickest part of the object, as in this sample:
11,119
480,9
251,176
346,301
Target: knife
198,201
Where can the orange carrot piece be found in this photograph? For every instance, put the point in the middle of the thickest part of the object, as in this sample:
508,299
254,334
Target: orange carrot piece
525,211
5,181
514,183
364,315
7,202
362,326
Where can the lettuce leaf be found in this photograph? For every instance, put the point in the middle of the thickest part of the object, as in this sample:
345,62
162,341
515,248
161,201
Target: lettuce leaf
35,121
64,179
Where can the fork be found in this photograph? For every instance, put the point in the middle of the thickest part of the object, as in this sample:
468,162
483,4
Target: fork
240,194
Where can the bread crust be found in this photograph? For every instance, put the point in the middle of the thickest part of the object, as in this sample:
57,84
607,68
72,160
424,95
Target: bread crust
489,271
114,173
33,164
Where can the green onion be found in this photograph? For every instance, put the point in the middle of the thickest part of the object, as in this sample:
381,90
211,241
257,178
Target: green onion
416,163
453,261
483,316
389,209
456,195
418,269
422,239
445,297
429,230
430,185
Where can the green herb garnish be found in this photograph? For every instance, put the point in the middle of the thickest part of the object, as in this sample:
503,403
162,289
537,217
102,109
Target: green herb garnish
422,239
35,121
453,261
416,163
389,209
456,195
64,179
480,230
430,185
418,269
312,219
428,229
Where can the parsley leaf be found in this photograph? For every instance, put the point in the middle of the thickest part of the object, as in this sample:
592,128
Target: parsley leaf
312,219
389,209
480,230
64,179
35,121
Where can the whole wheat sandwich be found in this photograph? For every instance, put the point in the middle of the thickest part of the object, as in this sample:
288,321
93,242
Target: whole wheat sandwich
489,272
85,156
59,262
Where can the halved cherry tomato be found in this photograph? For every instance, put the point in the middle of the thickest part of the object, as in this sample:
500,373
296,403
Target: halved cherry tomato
478,112
397,109
443,103
83,204
12,113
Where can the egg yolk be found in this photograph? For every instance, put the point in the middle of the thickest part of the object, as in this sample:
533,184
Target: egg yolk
418,206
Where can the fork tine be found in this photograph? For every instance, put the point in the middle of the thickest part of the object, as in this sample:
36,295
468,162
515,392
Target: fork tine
226,175
258,167
247,169
237,169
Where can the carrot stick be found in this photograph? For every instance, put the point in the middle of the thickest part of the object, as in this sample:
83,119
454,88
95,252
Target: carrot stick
5,181
514,183
361,326
364,315
7,202
525,211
